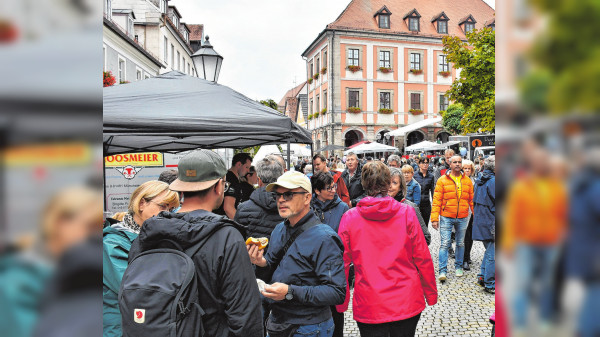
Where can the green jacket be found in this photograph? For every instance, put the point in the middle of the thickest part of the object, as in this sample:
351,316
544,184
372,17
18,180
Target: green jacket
117,241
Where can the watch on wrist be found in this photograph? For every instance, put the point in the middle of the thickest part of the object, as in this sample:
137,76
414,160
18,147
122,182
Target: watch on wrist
289,294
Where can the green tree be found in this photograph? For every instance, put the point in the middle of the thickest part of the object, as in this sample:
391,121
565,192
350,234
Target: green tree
270,103
475,89
452,118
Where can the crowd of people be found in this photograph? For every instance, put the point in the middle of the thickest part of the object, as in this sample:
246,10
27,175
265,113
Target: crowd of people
352,223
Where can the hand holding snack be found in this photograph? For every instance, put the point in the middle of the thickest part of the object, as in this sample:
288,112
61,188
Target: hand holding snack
256,255
260,242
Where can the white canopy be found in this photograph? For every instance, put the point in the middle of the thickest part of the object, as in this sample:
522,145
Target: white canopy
264,151
444,145
370,148
414,126
422,146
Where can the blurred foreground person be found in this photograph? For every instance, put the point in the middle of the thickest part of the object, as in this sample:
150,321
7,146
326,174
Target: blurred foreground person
397,191
303,265
536,221
394,270
484,220
149,199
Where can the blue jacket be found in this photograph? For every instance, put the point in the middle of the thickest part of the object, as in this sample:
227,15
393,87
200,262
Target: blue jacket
314,269
116,241
582,250
329,212
413,192
484,203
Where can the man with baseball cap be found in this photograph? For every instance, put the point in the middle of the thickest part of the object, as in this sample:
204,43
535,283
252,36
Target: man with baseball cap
228,293
303,265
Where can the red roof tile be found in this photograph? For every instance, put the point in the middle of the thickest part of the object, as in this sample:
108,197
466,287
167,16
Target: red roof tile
195,32
291,93
359,15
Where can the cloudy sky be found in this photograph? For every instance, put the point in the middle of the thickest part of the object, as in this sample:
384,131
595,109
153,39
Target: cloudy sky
261,41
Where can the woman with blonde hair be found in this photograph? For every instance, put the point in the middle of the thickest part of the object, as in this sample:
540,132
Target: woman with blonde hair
394,271
147,200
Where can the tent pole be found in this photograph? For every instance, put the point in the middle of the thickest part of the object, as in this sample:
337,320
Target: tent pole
312,155
288,154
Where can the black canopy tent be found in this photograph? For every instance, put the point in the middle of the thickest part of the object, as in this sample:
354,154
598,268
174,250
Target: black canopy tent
175,112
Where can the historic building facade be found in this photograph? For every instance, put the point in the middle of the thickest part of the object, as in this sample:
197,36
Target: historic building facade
380,66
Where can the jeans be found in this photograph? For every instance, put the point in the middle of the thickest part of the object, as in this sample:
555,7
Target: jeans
403,328
534,263
589,325
323,329
488,265
446,225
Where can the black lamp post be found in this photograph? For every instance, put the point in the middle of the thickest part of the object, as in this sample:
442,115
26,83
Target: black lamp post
207,62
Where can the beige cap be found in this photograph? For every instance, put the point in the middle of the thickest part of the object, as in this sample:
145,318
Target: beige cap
291,180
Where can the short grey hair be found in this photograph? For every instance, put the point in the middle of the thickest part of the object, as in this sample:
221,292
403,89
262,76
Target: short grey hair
489,163
351,154
396,172
395,158
269,169
279,158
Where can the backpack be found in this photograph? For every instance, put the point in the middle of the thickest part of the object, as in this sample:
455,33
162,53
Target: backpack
159,293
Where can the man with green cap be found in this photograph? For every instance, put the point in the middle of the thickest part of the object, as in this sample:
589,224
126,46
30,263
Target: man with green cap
228,292
303,265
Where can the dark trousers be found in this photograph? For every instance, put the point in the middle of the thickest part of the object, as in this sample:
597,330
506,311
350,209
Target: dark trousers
403,328
338,322
469,241
425,211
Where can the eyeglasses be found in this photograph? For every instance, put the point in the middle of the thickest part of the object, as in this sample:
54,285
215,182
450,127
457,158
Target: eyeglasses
332,188
287,196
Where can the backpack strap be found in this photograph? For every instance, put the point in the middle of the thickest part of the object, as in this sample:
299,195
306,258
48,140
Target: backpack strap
310,224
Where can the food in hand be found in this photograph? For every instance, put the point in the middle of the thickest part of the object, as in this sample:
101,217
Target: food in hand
260,242
261,285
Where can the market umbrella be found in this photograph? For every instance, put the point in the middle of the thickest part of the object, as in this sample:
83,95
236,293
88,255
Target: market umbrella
330,148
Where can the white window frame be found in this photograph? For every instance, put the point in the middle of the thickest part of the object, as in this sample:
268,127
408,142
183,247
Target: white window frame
124,70
382,91
421,97
349,53
410,60
166,47
172,56
443,64
163,6
446,100
178,61
360,93
108,9
140,72
380,53
130,29
469,24
104,50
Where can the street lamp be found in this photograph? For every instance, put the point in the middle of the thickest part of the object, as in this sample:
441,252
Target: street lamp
207,62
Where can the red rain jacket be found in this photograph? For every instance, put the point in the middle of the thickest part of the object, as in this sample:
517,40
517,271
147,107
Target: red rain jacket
394,271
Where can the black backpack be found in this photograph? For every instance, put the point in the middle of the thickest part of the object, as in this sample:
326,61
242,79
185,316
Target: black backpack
159,294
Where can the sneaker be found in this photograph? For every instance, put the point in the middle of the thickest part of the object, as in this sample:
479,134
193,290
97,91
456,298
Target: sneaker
442,277
459,273
480,282
490,290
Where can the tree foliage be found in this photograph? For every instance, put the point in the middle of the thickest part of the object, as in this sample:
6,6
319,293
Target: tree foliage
270,103
452,118
475,89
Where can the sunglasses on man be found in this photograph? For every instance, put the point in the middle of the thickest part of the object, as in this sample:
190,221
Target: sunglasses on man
287,196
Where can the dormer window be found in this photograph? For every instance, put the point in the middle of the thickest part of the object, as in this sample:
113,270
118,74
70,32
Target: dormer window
468,23
413,20
491,24
163,6
175,20
441,22
383,18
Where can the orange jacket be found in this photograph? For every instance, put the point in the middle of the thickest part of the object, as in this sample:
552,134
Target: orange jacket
342,190
536,212
445,198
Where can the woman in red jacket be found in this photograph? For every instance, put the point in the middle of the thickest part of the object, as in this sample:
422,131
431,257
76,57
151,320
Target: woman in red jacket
394,271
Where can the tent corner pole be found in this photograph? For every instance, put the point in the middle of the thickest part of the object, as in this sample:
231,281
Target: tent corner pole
288,154
312,155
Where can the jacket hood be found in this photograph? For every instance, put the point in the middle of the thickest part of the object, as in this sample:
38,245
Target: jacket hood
187,229
327,204
378,209
485,176
264,199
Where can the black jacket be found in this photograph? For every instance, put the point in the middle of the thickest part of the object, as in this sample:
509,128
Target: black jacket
427,186
259,214
228,291
354,185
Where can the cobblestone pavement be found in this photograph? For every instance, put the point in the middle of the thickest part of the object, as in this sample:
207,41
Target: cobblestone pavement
463,308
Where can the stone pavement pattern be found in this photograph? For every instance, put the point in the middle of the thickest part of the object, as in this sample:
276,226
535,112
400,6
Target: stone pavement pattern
463,308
